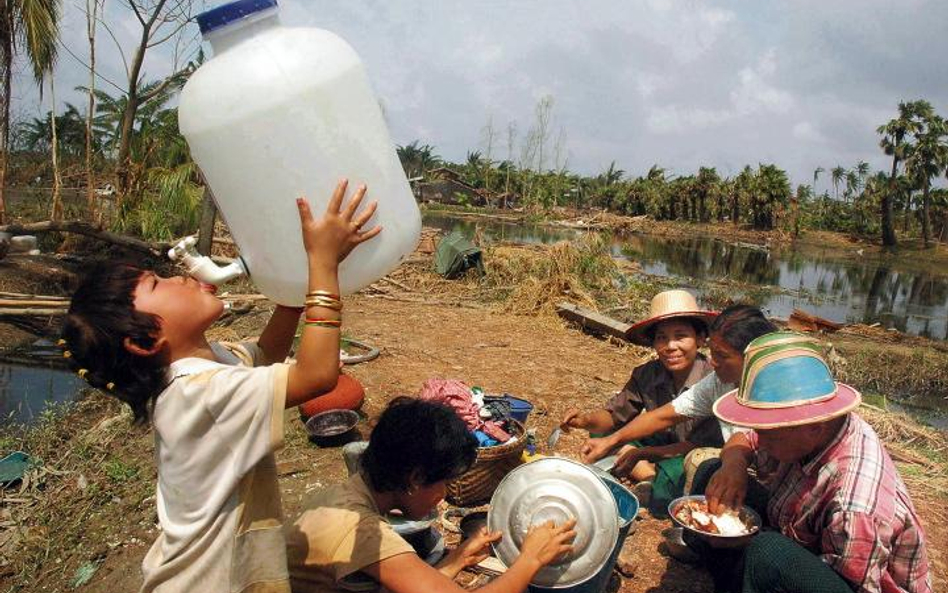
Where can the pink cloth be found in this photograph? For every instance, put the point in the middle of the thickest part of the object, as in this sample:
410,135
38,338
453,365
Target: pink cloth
457,396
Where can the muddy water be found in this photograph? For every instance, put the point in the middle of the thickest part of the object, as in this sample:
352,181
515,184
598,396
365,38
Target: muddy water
25,391
822,283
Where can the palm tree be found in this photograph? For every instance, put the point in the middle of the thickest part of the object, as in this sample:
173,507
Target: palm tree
927,159
744,187
31,26
773,192
610,176
707,185
37,133
838,173
896,136
417,158
816,176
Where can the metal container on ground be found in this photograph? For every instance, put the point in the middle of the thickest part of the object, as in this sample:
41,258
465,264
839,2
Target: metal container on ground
559,489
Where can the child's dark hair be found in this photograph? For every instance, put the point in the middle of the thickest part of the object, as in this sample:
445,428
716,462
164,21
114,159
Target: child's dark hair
101,316
417,436
699,325
739,325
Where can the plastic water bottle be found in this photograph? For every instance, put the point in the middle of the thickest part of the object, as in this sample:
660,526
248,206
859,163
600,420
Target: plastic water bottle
281,112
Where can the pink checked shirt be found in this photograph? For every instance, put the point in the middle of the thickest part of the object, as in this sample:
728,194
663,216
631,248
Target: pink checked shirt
849,506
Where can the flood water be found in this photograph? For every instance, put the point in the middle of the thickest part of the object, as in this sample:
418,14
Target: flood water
820,283
25,391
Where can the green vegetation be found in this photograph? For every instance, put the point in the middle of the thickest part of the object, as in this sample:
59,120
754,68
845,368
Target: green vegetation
862,202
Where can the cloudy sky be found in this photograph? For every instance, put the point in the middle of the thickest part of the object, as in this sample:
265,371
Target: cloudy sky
684,83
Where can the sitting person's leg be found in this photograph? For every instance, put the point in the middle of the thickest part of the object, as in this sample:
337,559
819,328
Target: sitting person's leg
774,563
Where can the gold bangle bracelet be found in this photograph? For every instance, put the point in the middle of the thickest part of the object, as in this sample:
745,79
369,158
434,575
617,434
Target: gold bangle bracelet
335,306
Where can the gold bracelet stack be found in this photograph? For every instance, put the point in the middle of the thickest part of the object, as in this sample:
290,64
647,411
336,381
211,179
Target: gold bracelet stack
324,299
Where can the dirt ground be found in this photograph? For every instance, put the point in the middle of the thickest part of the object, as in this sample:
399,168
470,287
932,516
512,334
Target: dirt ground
421,335
541,360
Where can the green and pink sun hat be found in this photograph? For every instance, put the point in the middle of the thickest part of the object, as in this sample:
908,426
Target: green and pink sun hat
785,382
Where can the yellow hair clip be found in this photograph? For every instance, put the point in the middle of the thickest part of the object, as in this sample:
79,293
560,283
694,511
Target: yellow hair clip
61,342
82,373
67,354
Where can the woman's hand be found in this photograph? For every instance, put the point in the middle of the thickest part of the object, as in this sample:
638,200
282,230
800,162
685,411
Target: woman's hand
573,419
547,542
595,449
727,488
469,552
330,238
629,455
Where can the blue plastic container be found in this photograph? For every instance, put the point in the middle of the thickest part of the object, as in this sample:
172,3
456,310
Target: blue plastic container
628,507
519,408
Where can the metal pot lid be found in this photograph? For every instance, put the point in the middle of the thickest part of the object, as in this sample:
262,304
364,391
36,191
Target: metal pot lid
556,489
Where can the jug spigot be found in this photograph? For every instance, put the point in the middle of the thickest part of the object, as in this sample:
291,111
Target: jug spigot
201,267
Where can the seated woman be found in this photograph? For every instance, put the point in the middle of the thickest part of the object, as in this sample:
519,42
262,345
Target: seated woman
343,542
843,517
676,328
730,332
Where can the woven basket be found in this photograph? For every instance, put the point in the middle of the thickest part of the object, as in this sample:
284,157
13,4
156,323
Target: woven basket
476,486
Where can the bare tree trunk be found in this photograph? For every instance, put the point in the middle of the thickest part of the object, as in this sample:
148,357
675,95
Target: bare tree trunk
888,228
926,222
907,212
208,217
56,210
133,99
92,7
7,71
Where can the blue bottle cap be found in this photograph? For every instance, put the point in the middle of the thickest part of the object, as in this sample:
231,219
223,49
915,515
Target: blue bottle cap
230,12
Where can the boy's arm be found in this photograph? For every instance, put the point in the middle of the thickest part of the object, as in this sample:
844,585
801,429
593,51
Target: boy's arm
277,337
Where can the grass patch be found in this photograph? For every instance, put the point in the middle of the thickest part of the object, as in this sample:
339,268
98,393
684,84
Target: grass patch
91,465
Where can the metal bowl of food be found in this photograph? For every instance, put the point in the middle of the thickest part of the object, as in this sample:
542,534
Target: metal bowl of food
332,426
726,530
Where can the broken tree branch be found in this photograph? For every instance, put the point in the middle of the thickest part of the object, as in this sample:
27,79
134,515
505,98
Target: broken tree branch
83,228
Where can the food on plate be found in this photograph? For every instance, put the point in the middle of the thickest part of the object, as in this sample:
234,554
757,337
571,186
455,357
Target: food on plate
695,514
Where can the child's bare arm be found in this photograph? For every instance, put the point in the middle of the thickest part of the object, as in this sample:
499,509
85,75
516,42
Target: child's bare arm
277,338
328,240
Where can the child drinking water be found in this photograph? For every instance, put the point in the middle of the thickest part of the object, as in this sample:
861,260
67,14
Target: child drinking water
217,409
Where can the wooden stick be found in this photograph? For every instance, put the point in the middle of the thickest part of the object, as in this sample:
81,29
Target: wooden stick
83,228
20,295
34,303
32,312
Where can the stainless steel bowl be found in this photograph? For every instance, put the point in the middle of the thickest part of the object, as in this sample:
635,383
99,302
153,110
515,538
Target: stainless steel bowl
556,489
331,426
748,515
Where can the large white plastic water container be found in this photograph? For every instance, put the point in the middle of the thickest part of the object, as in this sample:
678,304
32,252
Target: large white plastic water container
281,112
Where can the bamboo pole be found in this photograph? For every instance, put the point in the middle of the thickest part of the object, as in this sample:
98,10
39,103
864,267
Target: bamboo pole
32,312
33,303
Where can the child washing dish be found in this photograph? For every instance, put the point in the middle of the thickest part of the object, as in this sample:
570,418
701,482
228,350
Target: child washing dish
217,409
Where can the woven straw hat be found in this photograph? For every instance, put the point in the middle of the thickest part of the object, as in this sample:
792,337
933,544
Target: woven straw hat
667,305
785,382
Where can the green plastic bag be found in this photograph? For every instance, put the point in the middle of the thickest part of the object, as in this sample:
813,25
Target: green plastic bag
456,254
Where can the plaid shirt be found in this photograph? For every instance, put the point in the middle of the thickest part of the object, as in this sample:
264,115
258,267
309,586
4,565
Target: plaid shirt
849,506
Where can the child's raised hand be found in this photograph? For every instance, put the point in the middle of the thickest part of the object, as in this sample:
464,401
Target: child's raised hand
330,238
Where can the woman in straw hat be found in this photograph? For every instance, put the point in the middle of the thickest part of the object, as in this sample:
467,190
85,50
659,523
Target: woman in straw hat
731,331
843,515
676,328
